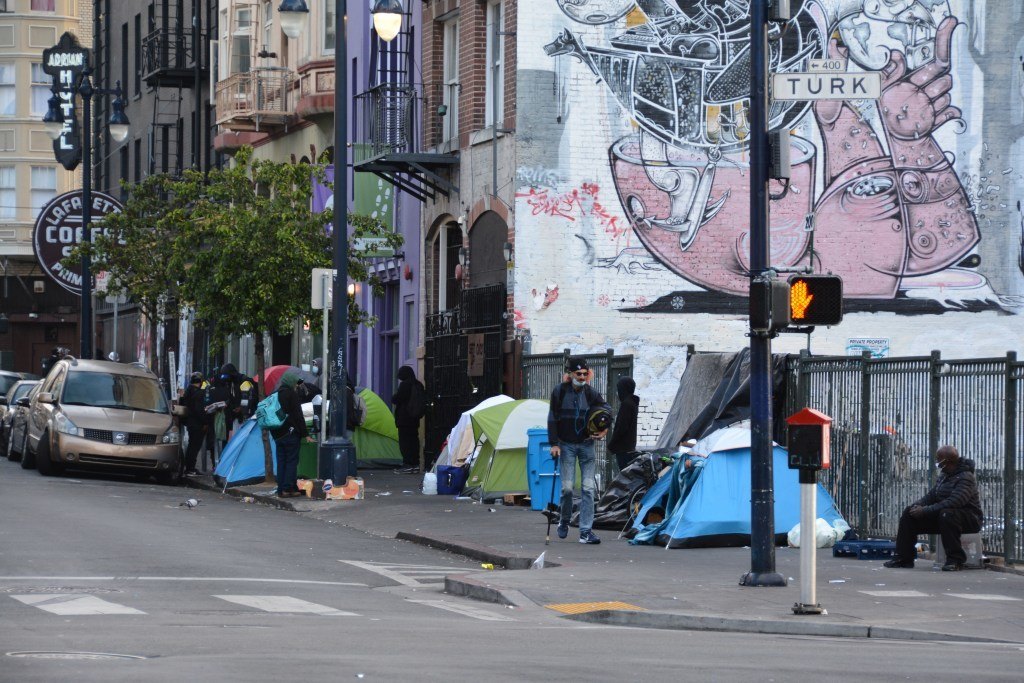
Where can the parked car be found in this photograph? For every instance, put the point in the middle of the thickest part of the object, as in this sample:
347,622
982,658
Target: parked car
8,378
17,435
8,403
91,414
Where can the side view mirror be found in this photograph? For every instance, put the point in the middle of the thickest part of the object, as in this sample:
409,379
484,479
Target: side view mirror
23,401
3,400
46,397
179,411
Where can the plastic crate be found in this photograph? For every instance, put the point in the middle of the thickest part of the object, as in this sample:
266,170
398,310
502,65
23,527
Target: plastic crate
869,549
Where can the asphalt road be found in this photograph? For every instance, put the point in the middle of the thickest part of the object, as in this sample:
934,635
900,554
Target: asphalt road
108,579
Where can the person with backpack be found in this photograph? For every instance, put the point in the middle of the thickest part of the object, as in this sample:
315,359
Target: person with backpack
410,405
288,436
193,399
572,403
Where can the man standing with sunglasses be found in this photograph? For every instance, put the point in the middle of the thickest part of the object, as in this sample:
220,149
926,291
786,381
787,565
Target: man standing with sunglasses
571,442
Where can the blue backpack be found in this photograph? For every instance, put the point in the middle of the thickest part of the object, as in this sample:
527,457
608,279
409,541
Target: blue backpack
269,413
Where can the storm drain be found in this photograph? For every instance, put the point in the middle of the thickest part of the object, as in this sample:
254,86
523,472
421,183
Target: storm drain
42,654
584,607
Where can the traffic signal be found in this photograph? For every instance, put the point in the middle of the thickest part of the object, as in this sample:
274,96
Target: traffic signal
769,305
815,300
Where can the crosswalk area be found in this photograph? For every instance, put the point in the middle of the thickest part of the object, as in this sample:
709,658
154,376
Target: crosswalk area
414,575
77,604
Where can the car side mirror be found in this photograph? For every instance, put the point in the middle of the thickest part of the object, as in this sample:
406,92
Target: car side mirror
46,397
179,411
23,401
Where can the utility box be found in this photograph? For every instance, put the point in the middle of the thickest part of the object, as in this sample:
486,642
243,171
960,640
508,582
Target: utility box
809,440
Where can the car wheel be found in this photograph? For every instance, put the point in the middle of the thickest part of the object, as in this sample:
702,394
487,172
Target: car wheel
167,478
28,461
44,464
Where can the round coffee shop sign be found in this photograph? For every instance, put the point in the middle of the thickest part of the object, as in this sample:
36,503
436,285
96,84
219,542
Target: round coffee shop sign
59,229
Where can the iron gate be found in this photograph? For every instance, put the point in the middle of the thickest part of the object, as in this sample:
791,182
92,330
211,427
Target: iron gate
446,363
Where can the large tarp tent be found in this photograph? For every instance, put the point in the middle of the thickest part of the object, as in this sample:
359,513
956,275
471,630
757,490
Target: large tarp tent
242,460
715,510
458,448
376,440
500,467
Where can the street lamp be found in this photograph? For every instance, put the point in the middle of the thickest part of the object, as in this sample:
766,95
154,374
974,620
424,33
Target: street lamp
118,127
337,454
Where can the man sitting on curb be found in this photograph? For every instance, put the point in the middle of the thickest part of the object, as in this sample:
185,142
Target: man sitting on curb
952,507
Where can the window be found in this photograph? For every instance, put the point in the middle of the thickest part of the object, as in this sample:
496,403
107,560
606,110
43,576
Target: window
41,83
7,90
241,41
44,5
411,330
8,192
138,55
124,60
329,27
450,80
124,171
268,27
494,107
138,160
44,186
3,6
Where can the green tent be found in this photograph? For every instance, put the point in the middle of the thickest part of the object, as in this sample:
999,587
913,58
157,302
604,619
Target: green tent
376,440
500,466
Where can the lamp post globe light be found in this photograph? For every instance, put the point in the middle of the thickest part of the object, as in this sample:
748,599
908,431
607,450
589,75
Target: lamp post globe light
117,125
337,454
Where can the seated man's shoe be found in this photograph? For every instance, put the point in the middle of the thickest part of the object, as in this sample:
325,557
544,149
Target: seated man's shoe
952,566
897,563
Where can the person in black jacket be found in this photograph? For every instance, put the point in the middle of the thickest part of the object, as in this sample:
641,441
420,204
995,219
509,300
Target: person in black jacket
623,441
571,442
193,399
289,437
406,418
952,507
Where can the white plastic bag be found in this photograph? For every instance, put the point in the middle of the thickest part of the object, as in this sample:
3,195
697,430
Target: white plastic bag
825,535
429,484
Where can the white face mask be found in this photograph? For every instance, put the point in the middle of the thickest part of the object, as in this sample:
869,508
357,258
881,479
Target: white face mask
578,382
315,370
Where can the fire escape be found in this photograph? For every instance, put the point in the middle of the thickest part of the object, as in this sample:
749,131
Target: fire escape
389,124
171,62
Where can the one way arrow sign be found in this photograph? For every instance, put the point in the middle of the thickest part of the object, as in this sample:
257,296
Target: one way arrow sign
827,86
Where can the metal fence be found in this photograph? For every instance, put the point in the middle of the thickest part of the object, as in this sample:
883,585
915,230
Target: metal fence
542,372
890,415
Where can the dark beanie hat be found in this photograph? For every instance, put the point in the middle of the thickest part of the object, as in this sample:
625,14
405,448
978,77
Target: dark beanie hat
578,363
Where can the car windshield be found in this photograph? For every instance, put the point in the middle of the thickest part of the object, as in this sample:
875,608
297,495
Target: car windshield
6,382
108,390
21,391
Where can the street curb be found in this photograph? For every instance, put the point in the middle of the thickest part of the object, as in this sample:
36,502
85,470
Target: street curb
471,550
270,501
477,590
692,622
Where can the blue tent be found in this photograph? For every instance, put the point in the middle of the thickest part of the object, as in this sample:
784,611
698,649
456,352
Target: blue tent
241,461
715,511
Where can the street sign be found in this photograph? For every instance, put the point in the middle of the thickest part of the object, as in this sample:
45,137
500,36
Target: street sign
323,286
373,247
827,86
65,62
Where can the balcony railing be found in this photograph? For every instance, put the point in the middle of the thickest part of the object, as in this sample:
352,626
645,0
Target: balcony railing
259,100
167,55
388,121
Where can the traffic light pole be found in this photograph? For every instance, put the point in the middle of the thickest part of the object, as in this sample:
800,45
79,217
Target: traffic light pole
762,513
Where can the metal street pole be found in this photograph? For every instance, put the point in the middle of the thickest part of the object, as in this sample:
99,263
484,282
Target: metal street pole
86,91
337,454
762,505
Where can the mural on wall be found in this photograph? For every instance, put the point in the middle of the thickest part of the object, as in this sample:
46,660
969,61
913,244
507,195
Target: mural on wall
877,193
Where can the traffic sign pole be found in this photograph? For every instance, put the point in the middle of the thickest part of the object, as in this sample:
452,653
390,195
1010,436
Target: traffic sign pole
762,514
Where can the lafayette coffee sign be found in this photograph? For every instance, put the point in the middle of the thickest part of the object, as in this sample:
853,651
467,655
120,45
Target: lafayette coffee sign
59,229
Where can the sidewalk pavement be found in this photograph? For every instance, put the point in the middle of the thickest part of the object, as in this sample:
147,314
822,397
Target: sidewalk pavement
649,586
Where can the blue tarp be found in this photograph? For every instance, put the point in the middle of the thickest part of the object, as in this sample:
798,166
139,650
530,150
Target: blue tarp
241,461
716,510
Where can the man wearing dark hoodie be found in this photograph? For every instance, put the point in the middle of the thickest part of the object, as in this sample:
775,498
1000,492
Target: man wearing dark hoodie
623,441
952,507
289,436
410,404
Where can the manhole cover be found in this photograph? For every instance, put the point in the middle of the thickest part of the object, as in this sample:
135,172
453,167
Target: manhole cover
71,655
56,589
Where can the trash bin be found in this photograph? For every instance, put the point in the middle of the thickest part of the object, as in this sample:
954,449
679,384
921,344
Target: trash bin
307,460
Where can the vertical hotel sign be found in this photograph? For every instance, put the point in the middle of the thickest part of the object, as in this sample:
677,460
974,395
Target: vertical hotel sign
65,62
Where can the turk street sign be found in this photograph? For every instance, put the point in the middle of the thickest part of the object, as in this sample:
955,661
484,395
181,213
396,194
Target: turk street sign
827,85
59,229
65,62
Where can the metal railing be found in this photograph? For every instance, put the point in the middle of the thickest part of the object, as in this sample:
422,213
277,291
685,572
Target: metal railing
167,49
543,372
388,121
260,97
889,417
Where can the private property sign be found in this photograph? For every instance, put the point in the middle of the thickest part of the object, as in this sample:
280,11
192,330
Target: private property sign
827,85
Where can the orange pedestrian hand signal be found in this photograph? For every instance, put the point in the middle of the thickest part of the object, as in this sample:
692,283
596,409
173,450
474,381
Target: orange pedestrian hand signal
799,299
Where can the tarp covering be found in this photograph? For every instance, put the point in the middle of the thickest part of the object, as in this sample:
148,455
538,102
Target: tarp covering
461,441
703,373
613,510
500,467
710,507
242,461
